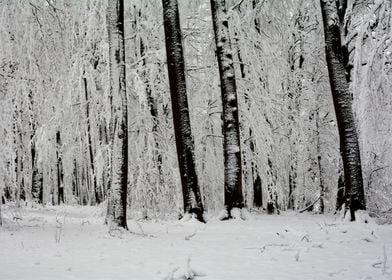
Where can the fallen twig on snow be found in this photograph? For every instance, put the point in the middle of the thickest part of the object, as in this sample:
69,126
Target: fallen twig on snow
384,263
309,206
188,237
262,249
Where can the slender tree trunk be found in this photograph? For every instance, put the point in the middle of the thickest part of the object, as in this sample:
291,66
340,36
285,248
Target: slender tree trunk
103,142
147,78
19,169
36,175
75,182
60,172
320,167
350,152
93,175
117,204
152,104
230,128
272,204
255,177
257,185
1,204
18,142
182,124
340,199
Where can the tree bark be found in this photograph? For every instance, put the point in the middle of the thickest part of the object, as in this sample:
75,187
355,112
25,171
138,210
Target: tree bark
93,175
36,175
319,165
75,182
148,80
181,120
19,158
117,205
349,146
230,129
60,172
1,204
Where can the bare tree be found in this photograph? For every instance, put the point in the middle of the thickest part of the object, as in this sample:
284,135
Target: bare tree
182,124
117,203
230,129
349,145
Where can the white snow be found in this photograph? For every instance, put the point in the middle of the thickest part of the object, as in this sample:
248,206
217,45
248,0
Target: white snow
72,243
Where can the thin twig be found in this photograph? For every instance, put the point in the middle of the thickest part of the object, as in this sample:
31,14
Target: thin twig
309,206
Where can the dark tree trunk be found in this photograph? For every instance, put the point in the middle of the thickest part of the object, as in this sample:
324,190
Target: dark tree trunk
354,191
103,142
20,195
36,176
255,177
182,125
1,204
257,191
255,4
75,181
230,128
37,185
117,204
340,199
151,101
60,173
257,186
97,193
18,142
272,204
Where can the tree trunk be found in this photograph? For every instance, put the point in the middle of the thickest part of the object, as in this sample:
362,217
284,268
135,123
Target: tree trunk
320,167
349,146
75,182
60,172
36,178
36,175
230,129
117,203
152,104
18,143
255,177
93,175
148,77
340,199
272,200
1,204
182,125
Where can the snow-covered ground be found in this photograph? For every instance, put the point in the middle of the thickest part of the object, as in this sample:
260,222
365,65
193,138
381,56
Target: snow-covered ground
72,243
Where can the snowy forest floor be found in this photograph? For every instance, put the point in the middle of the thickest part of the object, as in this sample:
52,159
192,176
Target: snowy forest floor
72,243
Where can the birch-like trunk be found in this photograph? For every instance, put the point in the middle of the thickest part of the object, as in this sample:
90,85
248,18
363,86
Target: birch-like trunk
117,203
349,146
182,124
230,129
